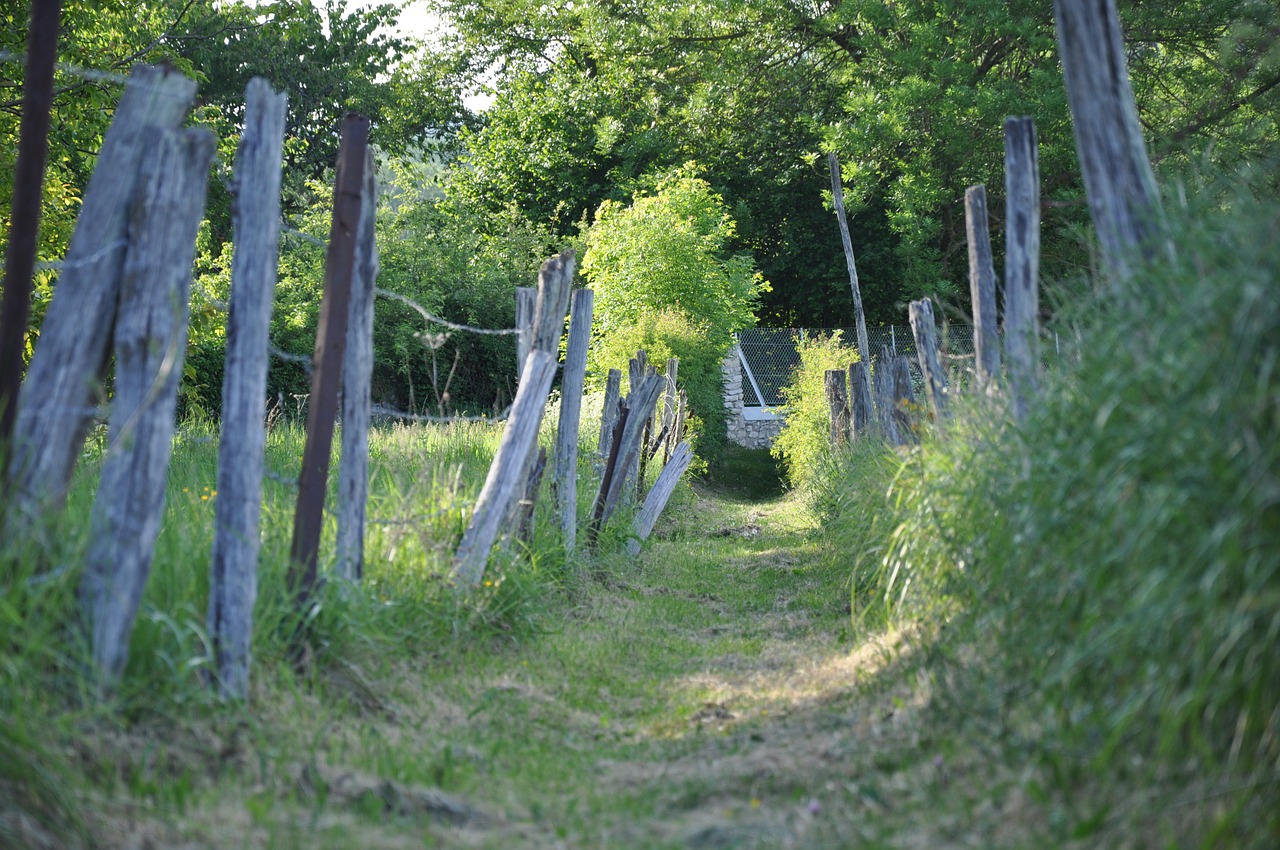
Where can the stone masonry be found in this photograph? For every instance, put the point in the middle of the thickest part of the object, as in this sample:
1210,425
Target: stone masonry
750,427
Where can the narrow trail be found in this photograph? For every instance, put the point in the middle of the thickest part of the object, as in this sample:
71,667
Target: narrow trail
708,694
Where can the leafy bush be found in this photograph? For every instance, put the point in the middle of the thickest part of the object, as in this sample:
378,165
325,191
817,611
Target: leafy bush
806,436
1116,554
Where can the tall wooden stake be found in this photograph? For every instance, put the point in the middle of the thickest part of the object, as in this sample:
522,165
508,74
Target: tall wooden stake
837,195
982,286
331,343
1022,261
575,371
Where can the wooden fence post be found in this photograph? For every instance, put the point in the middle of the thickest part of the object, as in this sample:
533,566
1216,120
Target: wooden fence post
837,196
838,405
526,307
331,343
1118,180
863,420
609,415
24,218
982,287
884,398
925,331
233,577
658,497
1022,261
575,372
357,380
670,402
904,399
64,377
626,449
503,483
150,343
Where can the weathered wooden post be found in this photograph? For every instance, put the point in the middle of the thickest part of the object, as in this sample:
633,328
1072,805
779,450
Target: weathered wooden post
357,381
503,483
66,370
982,287
658,497
628,435
904,399
837,196
925,331
838,405
862,417
609,414
884,398
526,307
1022,261
670,400
24,220
331,344
150,344
233,577
1123,199
575,372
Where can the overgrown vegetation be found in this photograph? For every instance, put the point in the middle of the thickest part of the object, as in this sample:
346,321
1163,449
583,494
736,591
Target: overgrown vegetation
804,445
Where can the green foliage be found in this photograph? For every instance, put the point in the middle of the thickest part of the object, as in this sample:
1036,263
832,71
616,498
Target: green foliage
805,440
1115,555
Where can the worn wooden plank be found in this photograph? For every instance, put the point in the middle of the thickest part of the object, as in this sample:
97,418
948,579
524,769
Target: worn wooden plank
357,385
925,331
639,407
609,414
64,378
526,306
503,481
571,386
1123,199
24,218
331,344
904,400
1022,262
233,577
836,385
861,416
658,497
982,287
150,343
837,195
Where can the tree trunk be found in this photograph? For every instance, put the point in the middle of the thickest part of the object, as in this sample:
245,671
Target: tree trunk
150,343
233,578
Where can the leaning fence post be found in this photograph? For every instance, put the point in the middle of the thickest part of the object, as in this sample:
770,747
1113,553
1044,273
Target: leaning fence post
982,287
150,343
657,499
1118,180
331,343
1022,261
233,576
609,415
626,448
837,197
925,332
838,405
65,373
357,380
575,372
503,483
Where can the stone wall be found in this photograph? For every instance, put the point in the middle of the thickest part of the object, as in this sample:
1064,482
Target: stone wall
751,427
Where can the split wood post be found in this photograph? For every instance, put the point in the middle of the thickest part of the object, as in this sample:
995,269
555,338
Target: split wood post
331,344
861,417
24,219
150,343
503,483
357,385
1118,180
925,331
838,404
904,399
1022,261
575,373
555,281
837,195
682,407
670,400
64,378
526,306
637,369
233,577
658,497
883,377
982,288
609,414
627,446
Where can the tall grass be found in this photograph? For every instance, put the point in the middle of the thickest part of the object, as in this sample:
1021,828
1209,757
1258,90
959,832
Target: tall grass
1109,568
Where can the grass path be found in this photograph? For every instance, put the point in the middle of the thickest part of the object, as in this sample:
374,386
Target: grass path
705,695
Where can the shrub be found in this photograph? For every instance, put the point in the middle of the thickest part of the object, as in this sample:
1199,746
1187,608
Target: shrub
806,436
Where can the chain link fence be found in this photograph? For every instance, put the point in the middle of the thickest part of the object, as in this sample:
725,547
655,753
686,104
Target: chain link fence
770,355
